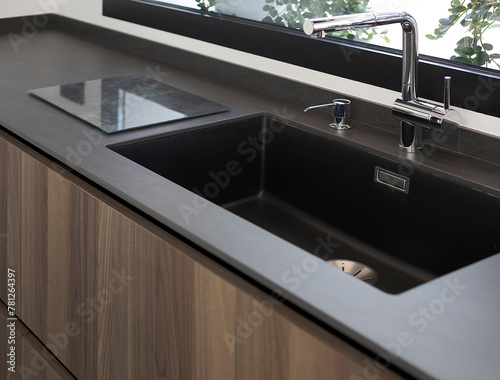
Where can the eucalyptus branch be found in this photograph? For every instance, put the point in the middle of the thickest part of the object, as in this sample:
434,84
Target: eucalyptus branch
478,16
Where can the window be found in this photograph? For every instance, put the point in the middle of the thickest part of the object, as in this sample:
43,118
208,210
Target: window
371,57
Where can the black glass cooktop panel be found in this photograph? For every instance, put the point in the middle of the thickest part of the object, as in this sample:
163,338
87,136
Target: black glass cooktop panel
126,102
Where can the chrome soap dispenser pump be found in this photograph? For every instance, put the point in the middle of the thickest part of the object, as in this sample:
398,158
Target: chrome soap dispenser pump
340,112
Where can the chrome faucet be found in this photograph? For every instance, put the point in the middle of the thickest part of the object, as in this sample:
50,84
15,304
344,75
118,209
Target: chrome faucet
413,113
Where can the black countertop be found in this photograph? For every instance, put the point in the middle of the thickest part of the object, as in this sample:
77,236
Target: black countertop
462,342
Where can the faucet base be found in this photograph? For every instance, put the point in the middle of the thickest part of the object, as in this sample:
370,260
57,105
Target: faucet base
409,149
410,137
339,126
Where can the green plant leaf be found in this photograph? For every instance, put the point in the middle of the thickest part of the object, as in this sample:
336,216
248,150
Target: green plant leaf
463,60
466,41
495,55
468,51
445,29
430,37
445,21
481,58
465,22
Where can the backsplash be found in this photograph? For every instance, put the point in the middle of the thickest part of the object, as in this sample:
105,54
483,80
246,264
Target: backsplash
464,141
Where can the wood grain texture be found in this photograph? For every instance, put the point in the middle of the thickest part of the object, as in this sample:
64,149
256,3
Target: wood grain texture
114,296
74,253
33,361
39,363
5,346
10,211
33,242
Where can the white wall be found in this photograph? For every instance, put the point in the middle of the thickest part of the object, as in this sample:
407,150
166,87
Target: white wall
91,11
17,8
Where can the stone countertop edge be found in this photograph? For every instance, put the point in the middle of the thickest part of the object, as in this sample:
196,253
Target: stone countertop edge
461,342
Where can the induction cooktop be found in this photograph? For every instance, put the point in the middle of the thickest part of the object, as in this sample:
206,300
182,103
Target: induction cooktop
126,102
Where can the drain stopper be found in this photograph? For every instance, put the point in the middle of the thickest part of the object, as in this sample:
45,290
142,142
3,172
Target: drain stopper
356,269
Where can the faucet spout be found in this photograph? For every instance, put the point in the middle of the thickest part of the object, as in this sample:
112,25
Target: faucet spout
371,19
412,112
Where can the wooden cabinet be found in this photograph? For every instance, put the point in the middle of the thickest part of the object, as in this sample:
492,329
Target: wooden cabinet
31,359
114,296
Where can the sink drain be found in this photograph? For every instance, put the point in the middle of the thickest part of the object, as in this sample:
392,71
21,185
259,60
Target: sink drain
356,269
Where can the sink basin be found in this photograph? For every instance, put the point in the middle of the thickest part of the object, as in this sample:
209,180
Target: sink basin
319,193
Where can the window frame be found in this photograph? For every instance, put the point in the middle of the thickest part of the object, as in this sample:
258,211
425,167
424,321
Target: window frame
474,88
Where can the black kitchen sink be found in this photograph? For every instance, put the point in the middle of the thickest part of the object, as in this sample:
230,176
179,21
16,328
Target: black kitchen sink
321,194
